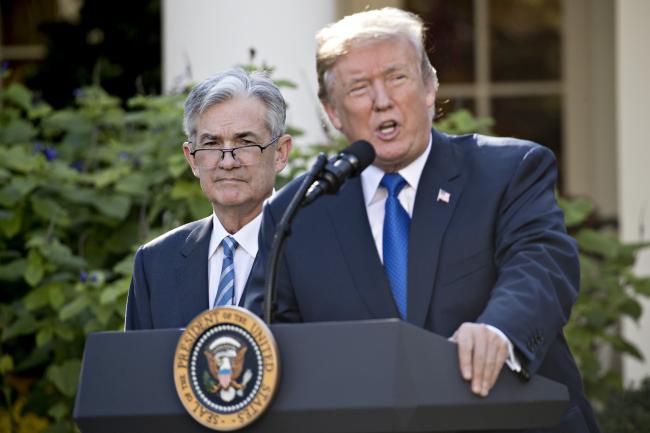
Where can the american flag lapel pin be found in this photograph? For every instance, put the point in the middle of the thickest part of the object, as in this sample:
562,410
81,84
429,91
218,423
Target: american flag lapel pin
443,196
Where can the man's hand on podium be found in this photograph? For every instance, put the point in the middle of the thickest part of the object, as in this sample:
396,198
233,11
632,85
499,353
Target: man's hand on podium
481,355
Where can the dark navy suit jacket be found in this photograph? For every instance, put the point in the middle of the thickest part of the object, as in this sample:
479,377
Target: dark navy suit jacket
170,278
496,253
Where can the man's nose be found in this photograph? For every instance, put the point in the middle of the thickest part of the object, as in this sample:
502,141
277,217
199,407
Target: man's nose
228,161
382,100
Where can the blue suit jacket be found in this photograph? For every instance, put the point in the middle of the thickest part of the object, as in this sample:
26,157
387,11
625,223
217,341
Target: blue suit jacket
170,278
497,253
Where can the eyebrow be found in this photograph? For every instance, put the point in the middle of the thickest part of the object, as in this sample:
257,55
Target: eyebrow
387,70
394,67
212,137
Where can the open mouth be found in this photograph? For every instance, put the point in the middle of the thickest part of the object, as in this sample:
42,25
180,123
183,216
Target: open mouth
387,129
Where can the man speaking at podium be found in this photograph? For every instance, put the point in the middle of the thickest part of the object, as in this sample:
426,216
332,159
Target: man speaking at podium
460,235
236,144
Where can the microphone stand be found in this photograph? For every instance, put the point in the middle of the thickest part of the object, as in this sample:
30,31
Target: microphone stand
281,233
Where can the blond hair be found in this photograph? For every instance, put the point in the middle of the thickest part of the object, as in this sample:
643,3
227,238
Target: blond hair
336,39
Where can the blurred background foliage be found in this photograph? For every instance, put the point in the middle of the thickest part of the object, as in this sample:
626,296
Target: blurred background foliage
82,186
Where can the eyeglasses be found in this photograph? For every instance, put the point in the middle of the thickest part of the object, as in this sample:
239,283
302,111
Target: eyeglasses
210,157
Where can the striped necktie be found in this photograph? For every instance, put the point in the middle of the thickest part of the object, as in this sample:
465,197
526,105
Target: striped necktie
226,291
396,241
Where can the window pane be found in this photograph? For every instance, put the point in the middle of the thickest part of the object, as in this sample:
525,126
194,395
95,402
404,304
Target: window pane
21,20
450,37
536,118
525,39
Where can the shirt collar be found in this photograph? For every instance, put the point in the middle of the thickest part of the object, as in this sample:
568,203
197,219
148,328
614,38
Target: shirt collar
246,237
372,175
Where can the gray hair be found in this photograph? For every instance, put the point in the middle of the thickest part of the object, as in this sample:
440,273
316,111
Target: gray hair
335,40
227,85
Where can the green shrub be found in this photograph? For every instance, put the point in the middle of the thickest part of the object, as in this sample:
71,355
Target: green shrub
627,411
80,188
609,291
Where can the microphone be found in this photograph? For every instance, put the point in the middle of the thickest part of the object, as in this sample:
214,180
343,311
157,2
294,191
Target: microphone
350,162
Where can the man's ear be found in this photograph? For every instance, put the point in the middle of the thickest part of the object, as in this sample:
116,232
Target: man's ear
282,152
332,114
431,93
190,159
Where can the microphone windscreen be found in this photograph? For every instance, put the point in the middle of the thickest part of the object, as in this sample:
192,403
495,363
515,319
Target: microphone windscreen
363,151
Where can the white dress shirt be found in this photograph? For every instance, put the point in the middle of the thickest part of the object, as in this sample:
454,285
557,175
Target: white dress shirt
375,198
243,258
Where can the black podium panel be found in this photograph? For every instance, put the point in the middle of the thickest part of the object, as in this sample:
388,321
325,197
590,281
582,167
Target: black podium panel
363,377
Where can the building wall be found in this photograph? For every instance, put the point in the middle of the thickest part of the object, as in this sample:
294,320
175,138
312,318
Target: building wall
589,166
633,144
205,36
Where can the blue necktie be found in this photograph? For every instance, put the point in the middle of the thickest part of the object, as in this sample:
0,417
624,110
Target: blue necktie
396,240
226,291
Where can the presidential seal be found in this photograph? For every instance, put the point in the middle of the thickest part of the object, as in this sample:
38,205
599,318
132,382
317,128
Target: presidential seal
226,368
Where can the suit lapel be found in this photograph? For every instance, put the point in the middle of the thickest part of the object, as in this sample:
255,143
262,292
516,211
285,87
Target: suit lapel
192,272
350,220
430,219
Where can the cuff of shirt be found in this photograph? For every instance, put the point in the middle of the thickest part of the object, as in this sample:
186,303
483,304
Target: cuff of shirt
512,362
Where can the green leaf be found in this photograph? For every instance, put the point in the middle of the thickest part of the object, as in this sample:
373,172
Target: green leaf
68,121
37,298
623,346
19,187
199,208
134,184
631,308
19,159
111,175
44,336
177,165
39,111
58,253
184,189
125,266
576,211
65,376
102,313
49,209
13,270
114,205
24,325
597,317
4,174
10,222
6,364
59,411
17,131
65,332
35,270
642,286
122,238
285,83
39,356
114,291
604,244
56,296
19,95
73,308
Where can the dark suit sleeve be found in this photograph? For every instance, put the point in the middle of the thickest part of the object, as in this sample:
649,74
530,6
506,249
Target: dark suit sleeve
286,306
536,261
138,306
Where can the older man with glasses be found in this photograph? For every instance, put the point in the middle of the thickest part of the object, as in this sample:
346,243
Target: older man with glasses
236,144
